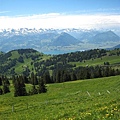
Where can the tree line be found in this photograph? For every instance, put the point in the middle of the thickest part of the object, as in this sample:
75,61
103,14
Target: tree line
19,83
79,73
56,76
4,85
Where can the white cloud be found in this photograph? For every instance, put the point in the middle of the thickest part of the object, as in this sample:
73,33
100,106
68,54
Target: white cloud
2,12
56,20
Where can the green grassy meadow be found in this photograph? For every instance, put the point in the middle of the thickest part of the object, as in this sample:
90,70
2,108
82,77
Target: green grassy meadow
98,61
19,67
93,99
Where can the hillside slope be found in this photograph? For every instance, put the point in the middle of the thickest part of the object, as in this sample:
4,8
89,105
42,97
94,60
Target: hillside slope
25,61
86,100
19,61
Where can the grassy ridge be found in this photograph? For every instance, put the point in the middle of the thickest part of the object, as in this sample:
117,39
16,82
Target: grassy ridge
98,61
19,67
85,100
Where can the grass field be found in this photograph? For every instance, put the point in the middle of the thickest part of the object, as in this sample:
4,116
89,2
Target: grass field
19,67
98,61
96,99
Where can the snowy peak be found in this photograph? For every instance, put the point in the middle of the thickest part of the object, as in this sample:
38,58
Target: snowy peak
56,39
25,31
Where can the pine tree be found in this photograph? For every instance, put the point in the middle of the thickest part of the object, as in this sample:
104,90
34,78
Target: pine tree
5,83
0,81
23,91
25,79
13,79
41,86
1,91
58,76
5,88
46,77
19,87
73,76
34,80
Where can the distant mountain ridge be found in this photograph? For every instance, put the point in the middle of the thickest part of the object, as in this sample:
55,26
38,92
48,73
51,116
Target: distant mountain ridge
65,39
117,46
56,39
105,37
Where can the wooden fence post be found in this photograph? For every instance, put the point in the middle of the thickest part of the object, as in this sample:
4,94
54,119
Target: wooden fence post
88,93
13,108
99,93
27,105
108,91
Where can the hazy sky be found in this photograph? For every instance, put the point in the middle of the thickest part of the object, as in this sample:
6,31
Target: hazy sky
59,13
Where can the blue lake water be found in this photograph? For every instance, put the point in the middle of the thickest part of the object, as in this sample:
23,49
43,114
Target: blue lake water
56,52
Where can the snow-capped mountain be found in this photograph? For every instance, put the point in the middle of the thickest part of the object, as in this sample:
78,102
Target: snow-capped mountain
56,39
24,31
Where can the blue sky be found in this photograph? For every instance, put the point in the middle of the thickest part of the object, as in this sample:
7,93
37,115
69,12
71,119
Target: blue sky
50,13
24,7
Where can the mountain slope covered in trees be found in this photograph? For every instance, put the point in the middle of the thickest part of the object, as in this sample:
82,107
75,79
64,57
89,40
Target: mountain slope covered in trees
59,68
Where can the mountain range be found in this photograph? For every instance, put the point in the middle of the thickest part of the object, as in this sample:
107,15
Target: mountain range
50,40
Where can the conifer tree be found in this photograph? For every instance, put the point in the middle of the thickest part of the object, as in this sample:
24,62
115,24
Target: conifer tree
41,86
34,80
58,76
5,83
19,87
1,91
25,79
13,79
16,87
23,91
46,77
73,76
0,81
5,88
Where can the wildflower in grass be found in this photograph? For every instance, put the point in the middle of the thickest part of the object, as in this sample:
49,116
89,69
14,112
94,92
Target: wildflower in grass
107,115
112,111
115,109
70,119
88,113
